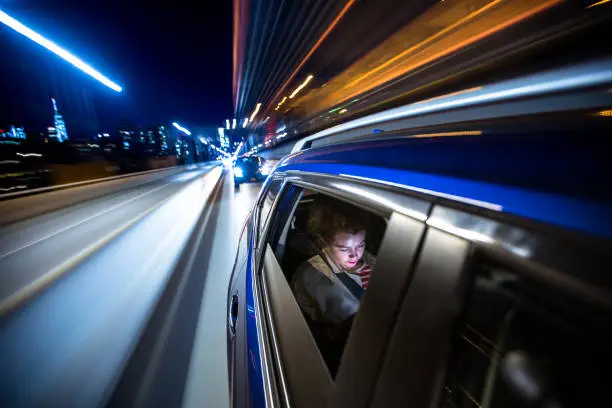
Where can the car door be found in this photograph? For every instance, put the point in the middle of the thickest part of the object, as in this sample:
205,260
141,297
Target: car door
499,315
298,373
236,330
244,363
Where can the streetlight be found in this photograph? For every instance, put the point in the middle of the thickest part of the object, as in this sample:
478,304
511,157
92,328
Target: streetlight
182,129
57,50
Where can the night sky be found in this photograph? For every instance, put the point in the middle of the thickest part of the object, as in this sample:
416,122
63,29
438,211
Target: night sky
174,61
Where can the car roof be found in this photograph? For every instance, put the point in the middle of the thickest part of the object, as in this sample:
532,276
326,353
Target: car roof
529,146
494,171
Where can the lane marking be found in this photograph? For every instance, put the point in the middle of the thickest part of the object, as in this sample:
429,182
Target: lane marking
64,229
45,280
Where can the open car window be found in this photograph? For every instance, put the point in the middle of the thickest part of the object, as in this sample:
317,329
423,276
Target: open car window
327,251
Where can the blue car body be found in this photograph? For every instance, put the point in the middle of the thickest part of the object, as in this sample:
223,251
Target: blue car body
542,173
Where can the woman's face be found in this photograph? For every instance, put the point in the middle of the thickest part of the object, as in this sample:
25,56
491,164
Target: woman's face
347,249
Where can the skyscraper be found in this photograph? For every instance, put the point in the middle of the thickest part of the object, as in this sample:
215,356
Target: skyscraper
59,124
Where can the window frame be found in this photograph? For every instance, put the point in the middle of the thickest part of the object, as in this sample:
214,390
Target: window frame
261,230
406,216
555,260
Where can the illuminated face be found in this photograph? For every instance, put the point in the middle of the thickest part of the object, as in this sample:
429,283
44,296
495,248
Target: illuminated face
347,249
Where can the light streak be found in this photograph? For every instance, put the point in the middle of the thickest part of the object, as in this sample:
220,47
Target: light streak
329,29
427,40
234,123
599,3
299,88
280,103
476,88
257,107
563,80
182,129
29,154
57,50
447,134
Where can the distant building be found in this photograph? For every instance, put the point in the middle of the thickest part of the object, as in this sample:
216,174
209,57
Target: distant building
59,126
13,136
18,132
163,140
51,132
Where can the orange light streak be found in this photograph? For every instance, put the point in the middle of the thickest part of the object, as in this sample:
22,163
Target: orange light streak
329,29
427,40
468,41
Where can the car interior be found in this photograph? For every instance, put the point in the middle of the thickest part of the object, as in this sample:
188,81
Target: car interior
296,246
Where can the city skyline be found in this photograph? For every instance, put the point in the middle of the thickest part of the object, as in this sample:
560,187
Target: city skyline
164,79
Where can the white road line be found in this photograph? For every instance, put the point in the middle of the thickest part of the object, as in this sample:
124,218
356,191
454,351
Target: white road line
84,220
51,276
28,291
143,389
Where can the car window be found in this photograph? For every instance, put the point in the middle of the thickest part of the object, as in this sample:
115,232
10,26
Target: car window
522,344
327,252
267,203
251,160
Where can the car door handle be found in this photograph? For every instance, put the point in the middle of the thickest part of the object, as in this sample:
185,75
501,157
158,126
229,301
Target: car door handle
233,314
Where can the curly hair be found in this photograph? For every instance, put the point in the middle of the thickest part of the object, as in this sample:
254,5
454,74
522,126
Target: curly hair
327,217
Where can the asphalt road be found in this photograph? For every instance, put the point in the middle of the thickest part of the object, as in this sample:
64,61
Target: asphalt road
122,294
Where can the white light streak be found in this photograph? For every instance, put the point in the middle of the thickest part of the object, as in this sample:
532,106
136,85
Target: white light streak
234,123
227,125
182,129
29,154
57,50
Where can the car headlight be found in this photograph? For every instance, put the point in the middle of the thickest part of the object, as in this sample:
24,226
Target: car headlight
264,171
238,172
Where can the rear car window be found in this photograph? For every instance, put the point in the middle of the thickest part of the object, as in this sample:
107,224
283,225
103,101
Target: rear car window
319,241
521,344
251,160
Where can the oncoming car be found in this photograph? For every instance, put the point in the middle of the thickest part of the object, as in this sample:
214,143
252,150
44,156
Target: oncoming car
479,253
250,168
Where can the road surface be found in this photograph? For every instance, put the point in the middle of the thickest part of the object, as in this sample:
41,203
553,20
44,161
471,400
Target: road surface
119,298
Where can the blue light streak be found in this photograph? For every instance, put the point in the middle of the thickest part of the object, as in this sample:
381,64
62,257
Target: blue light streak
182,129
57,50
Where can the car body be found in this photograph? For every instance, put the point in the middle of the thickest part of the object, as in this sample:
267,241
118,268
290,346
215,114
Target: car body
492,269
249,169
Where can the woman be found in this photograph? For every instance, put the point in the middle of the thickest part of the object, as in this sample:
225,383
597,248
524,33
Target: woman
328,286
